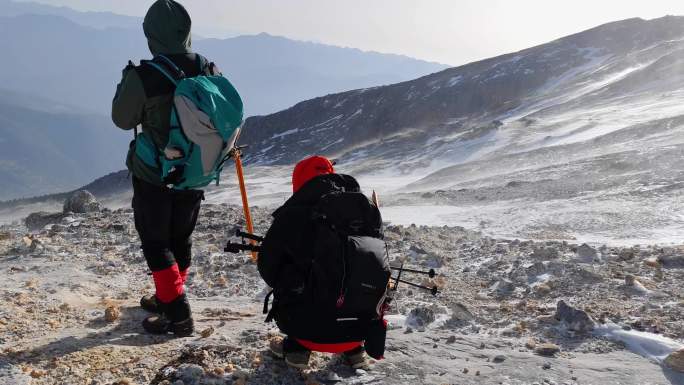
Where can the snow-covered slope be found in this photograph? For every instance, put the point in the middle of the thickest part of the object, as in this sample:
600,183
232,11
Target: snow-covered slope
570,90
581,137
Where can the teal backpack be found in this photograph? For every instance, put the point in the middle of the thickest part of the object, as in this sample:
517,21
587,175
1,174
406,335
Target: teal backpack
205,121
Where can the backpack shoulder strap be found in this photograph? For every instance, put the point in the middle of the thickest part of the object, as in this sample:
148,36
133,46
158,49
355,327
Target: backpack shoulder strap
206,67
167,67
201,63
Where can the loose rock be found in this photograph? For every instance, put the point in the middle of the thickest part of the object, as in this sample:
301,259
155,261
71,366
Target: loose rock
39,220
545,253
547,350
574,319
207,332
420,317
586,253
672,260
675,361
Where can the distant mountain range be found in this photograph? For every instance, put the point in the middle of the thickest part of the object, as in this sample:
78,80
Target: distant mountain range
46,147
273,73
60,70
98,20
77,57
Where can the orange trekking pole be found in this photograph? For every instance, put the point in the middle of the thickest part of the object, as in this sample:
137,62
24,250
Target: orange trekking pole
243,192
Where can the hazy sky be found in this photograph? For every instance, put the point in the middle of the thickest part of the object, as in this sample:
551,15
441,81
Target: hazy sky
447,31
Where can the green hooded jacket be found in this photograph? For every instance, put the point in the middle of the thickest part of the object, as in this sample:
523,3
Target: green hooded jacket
144,96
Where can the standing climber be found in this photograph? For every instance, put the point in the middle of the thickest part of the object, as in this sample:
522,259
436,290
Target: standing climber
165,215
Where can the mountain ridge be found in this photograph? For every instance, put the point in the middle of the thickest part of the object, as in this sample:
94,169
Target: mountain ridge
474,96
268,82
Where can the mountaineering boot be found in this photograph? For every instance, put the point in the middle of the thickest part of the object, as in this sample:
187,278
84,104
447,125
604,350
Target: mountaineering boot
298,359
176,318
276,347
296,356
150,303
160,324
356,358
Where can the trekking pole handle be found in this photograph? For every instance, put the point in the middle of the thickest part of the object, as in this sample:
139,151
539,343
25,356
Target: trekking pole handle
242,234
235,248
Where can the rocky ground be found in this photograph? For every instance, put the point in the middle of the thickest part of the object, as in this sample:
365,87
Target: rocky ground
509,312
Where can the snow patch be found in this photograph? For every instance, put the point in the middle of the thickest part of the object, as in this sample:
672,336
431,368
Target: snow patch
454,81
648,345
285,133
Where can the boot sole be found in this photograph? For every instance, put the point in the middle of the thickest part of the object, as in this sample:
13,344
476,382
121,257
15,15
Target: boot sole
169,332
183,335
296,365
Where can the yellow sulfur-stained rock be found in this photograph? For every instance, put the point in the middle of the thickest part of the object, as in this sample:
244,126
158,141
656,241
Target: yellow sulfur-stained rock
207,332
112,313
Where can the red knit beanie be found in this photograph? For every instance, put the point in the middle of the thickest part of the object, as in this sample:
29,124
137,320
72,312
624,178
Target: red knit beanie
309,168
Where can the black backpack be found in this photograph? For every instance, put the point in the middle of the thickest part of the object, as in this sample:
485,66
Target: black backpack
350,270
343,295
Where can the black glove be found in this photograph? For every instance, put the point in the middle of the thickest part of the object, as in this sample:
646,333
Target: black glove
175,176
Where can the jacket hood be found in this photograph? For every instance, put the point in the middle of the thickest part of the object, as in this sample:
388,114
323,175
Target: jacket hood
167,28
314,189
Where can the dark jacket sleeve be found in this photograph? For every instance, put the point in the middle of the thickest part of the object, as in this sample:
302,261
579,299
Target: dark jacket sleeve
129,101
274,251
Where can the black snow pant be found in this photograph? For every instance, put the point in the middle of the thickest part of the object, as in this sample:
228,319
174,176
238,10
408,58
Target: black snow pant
165,219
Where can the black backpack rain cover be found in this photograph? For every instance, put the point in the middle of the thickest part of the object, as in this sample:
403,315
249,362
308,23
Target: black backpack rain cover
346,288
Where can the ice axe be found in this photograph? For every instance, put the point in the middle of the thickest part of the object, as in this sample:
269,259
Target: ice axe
236,153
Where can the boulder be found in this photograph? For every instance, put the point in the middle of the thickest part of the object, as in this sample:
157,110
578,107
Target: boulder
574,319
37,221
460,312
420,317
586,253
502,287
545,253
626,254
674,260
81,201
